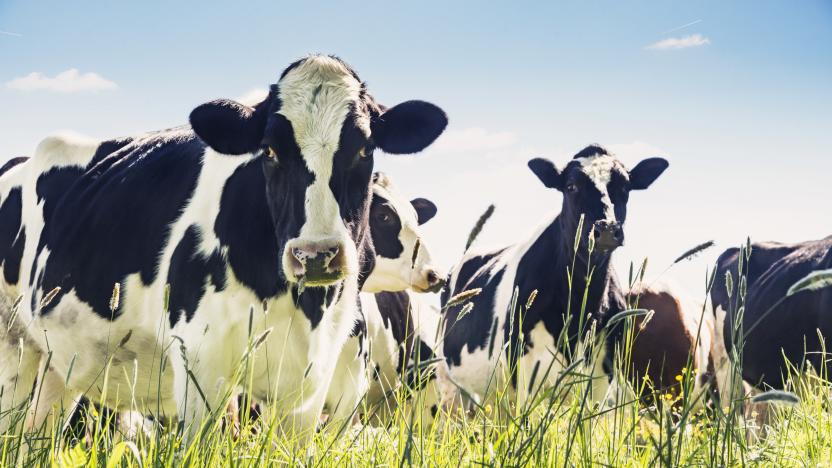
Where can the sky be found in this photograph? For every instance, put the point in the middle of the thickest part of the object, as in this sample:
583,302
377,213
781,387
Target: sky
736,95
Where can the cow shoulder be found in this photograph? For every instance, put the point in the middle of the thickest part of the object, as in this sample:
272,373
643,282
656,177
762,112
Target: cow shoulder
126,201
190,273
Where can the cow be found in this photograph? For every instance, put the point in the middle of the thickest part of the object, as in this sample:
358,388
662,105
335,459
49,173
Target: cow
482,342
386,331
670,344
403,330
774,329
402,260
172,256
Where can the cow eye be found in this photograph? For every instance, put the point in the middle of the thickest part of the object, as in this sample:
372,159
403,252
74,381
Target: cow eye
384,217
271,153
571,188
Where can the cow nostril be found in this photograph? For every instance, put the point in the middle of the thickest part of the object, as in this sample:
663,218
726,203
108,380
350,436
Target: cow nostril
434,279
333,251
299,254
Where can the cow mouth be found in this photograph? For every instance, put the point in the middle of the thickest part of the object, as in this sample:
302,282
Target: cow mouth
430,282
607,246
430,289
317,274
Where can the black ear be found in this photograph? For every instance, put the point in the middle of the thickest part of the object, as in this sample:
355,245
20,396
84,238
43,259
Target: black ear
425,209
230,127
546,171
646,172
408,127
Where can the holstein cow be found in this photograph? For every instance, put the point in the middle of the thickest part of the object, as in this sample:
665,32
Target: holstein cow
264,205
595,184
671,343
386,332
775,329
402,260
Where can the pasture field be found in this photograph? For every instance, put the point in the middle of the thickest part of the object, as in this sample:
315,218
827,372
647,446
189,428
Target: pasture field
557,426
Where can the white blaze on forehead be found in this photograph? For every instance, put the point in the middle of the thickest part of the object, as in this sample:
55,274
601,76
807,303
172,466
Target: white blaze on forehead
599,168
316,97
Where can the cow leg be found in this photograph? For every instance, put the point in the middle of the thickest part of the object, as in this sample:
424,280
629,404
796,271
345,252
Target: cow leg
132,424
18,372
349,385
200,389
438,396
52,404
729,383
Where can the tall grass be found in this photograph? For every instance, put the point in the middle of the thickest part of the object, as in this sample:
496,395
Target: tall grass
561,423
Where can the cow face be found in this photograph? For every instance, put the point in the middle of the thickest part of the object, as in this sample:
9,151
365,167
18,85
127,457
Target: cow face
597,185
316,133
402,259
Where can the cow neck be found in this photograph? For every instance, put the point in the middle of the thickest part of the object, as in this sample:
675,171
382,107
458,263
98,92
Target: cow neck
554,260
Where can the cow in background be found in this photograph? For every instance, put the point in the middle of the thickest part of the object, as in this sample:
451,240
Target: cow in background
596,187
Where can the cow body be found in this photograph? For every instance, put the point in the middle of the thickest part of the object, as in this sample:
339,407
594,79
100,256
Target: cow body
402,330
386,331
675,341
483,346
249,223
796,329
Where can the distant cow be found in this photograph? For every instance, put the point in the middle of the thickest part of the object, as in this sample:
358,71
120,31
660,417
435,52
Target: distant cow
402,261
675,340
798,327
265,205
595,184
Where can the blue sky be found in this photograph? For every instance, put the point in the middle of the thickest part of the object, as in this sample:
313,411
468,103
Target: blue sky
742,113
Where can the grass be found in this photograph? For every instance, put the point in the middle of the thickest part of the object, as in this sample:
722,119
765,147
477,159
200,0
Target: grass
557,425
557,429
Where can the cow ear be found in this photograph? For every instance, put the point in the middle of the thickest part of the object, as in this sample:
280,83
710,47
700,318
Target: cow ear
408,127
229,127
425,209
546,171
646,172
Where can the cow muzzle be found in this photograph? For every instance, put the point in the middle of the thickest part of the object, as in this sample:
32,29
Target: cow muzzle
315,263
609,235
429,280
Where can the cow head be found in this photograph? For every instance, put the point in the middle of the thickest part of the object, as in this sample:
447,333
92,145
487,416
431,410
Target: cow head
316,133
596,184
402,259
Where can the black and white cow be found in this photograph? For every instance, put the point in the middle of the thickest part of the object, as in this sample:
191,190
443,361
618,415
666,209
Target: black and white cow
385,336
796,329
594,184
252,219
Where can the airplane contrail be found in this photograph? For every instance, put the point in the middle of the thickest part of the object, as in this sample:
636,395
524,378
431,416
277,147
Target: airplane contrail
683,26
9,33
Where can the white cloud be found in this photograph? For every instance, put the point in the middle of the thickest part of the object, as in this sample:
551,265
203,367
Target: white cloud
253,96
69,81
673,43
9,33
473,139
